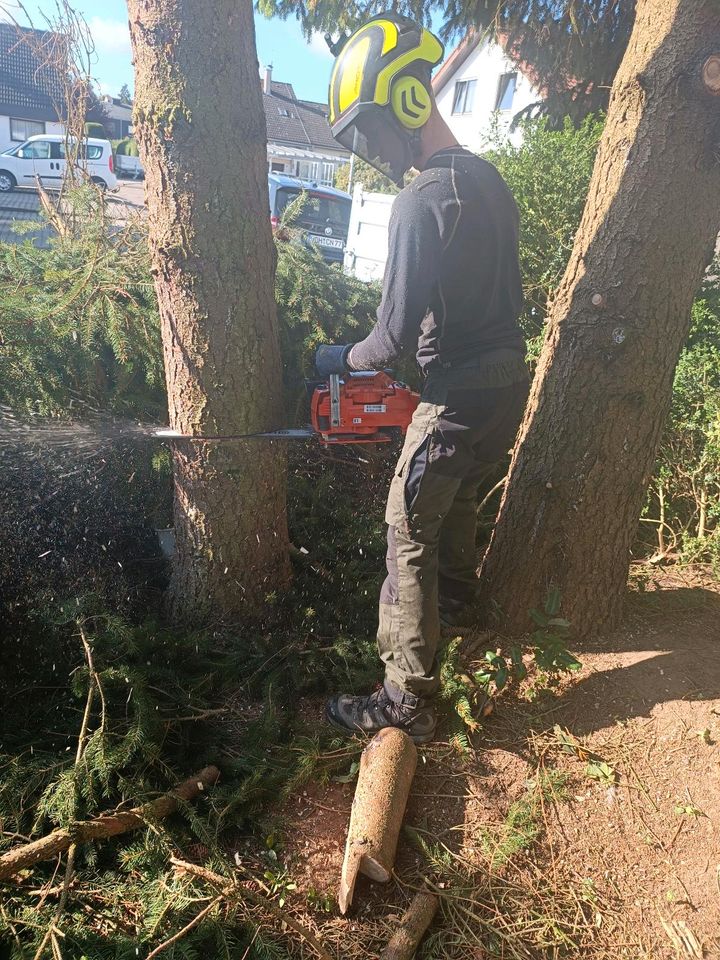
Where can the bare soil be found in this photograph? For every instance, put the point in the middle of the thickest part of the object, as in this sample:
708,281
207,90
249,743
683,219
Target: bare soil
622,864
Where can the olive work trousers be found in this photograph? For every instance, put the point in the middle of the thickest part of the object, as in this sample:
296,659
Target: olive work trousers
458,435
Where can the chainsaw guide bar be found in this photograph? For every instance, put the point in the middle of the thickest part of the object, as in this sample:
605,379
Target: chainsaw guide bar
362,407
300,434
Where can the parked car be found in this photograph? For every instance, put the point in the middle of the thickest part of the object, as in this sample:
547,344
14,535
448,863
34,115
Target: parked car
324,217
43,156
129,167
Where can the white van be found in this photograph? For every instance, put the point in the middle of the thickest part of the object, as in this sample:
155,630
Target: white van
43,156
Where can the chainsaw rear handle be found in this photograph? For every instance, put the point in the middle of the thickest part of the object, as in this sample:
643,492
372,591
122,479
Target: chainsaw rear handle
332,358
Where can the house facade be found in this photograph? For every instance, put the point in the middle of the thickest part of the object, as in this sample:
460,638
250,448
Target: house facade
118,117
300,143
479,89
30,92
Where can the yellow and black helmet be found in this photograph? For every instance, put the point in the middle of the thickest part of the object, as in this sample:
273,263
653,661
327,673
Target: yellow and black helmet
380,92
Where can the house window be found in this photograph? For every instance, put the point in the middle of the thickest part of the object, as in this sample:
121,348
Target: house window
308,169
284,112
277,167
21,130
464,96
506,91
328,174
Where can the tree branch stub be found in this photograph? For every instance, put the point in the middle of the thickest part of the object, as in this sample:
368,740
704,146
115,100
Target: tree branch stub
711,74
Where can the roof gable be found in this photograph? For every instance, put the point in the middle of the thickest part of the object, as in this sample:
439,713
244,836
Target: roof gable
456,59
466,48
296,122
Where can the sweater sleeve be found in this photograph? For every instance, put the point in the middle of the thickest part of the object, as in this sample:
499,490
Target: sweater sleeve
414,251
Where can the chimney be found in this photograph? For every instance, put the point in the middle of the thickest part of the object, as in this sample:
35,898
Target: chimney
267,79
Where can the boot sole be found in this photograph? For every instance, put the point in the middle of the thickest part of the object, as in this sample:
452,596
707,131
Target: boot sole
418,739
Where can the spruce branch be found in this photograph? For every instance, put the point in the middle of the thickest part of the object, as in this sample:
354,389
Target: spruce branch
242,893
107,825
171,941
50,935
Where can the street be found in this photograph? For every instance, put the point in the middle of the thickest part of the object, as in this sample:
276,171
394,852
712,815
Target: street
21,206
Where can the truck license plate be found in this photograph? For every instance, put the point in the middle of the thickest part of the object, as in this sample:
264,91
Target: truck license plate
334,242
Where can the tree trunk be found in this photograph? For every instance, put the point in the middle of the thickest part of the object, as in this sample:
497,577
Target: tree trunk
201,131
702,522
590,434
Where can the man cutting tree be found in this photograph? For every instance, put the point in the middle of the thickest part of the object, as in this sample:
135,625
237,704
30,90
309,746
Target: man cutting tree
452,294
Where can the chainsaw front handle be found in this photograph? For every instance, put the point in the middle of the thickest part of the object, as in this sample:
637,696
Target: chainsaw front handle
332,358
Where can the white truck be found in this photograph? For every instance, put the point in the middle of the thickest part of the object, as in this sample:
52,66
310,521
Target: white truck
129,166
366,249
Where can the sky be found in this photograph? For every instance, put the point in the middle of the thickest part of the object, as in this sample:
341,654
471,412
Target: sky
280,43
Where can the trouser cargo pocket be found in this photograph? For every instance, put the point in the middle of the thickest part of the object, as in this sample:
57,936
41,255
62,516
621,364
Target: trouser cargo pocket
417,440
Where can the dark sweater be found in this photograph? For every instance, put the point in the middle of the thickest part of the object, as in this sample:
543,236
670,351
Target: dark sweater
452,290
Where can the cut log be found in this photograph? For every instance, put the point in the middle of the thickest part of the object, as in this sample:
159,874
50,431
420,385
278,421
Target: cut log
387,767
106,825
407,937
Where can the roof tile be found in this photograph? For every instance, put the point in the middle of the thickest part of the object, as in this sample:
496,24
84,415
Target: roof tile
26,84
293,122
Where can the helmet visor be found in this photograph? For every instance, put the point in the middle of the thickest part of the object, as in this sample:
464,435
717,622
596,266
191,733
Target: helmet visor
372,138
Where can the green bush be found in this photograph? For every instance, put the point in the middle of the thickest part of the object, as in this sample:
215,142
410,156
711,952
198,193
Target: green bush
80,324
683,505
549,174
365,174
127,147
95,130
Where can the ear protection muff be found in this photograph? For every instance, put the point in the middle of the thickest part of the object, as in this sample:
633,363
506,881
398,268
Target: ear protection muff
410,102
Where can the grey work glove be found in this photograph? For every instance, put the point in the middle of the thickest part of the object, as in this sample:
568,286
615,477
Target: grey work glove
332,358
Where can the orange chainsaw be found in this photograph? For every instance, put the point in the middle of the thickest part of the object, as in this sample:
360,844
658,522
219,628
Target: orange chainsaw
363,407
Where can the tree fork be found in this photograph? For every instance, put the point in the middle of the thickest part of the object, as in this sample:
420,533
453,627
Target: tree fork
201,131
599,401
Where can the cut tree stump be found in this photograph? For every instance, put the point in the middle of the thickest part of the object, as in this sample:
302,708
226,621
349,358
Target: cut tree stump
106,825
407,937
387,767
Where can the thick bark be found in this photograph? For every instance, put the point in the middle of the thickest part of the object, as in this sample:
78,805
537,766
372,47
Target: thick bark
601,393
201,132
104,826
387,768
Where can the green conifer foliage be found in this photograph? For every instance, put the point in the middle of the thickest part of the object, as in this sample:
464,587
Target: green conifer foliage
571,49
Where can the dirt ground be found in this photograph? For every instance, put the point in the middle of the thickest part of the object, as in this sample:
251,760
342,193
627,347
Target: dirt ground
584,822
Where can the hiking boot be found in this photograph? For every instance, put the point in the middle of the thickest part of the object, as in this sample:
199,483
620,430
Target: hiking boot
369,714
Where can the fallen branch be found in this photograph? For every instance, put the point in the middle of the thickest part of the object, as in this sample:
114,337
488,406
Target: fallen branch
242,893
106,825
417,918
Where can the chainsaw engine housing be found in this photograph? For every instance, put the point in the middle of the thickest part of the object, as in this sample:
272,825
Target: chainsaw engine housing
364,407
